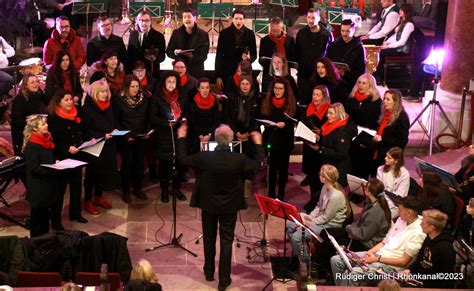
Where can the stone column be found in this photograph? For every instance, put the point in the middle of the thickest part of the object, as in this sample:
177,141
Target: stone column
458,67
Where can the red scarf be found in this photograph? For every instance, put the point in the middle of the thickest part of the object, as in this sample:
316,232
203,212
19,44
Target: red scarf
384,123
72,115
102,105
278,102
43,140
359,96
67,85
236,80
328,127
279,42
183,80
172,99
318,111
204,103
144,82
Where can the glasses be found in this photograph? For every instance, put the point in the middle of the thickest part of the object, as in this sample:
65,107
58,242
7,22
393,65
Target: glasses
64,27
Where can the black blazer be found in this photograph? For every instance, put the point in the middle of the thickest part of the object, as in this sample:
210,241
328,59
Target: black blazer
230,113
153,40
133,119
65,133
220,176
99,44
197,40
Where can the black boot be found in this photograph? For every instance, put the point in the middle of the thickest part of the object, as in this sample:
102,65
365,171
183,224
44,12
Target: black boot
164,194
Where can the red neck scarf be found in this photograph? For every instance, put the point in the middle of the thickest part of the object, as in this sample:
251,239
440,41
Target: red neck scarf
172,99
204,103
67,85
384,123
183,80
360,97
279,42
144,82
278,102
43,140
72,115
318,111
102,105
236,80
328,127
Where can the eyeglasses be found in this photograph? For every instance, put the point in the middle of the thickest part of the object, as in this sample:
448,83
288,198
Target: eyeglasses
65,27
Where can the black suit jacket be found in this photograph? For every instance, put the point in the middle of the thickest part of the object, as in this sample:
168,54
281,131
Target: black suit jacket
153,40
220,177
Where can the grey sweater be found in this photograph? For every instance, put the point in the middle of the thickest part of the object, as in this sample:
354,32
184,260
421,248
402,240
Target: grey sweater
331,207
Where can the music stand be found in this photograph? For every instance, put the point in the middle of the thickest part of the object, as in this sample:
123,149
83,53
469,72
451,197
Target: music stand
10,169
215,11
284,4
155,9
88,7
277,208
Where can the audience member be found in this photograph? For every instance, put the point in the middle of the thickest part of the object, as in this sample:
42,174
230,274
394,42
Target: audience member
6,81
143,278
387,21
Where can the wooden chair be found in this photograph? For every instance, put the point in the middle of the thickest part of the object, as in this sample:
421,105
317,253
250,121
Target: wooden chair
38,279
397,61
93,279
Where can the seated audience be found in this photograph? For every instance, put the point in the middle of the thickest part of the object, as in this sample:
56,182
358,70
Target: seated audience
143,278
427,15
465,176
464,239
325,73
387,21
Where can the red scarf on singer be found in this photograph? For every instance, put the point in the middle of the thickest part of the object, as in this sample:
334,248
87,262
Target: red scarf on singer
43,140
318,111
328,127
72,115
279,42
204,103
278,102
102,105
360,97
183,80
384,123
236,80
172,99
144,82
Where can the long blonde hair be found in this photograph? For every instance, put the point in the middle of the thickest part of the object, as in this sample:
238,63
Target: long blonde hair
373,90
397,106
331,174
143,271
24,84
32,124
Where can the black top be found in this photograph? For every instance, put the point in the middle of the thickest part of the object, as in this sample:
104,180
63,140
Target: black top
365,113
131,118
65,133
53,84
281,139
203,121
338,92
99,44
153,40
268,48
394,135
230,113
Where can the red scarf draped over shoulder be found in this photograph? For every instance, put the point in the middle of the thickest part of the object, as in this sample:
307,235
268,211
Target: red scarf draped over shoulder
329,127
360,97
279,42
43,140
278,102
172,99
72,115
204,103
319,111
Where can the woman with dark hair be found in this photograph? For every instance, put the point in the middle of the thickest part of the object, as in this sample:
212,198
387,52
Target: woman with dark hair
240,111
375,220
232,83
30,100
326,74
400,42
280,138
147,82
393,127
66,129
314,117
63,75
364,106
394,176
203,115
109,67
131,113
168,111
279,68
187,83
99,122
435,194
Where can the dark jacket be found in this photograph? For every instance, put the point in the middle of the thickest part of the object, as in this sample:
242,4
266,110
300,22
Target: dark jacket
41,182
203,121
133,119
281,139
311,158
99,44
338,92
21,108
229,51
141,285
230,113
53,84
219,186
335,149
12,258
444,202
267,81
153,40
365,113
96,124
268,48
309,47
189,89
65,133
197,40
352,54
436,256
394,135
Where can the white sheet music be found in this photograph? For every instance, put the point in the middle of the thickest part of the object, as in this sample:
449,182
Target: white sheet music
307,228
65,164
95,149
305,133
340,252
267,122
89,143
355,184
368,130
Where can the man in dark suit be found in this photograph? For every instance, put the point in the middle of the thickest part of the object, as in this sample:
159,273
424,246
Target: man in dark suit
147,45
219,192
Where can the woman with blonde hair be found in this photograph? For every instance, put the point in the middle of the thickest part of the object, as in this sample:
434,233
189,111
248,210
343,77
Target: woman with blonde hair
143,277
363,106
331,211
41,182
99,122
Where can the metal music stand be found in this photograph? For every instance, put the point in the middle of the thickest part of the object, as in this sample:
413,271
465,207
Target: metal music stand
215,11
284,4
89,7
156,9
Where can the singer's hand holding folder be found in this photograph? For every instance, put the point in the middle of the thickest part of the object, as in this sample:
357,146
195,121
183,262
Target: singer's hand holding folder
305,133
365,137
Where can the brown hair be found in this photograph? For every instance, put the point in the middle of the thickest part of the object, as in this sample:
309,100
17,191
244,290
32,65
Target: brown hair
332,74
323,90
282,57
24,84
397,154
376,188
432,187
397,106
57,97
127,82
408,15
290,106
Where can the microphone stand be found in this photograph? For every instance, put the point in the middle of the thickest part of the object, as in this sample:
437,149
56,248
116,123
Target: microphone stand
175,241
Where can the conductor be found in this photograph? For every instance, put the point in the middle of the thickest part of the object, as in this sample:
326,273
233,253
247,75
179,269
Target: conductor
219,192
